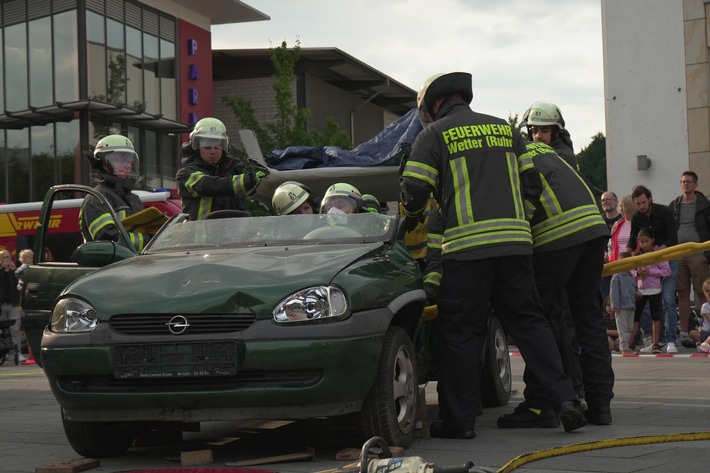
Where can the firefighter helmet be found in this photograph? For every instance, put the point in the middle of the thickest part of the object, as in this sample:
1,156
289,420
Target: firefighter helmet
441,85
544,114
208,133
115,156
342,196
289,196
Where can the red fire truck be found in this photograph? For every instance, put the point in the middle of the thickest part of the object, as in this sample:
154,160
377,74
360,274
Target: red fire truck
18,223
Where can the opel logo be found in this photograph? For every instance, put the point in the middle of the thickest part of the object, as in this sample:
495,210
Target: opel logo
177,325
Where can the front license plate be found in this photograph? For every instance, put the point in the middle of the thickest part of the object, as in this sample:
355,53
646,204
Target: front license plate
173,360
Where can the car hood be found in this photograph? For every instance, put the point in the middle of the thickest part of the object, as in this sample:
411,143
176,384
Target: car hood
241,280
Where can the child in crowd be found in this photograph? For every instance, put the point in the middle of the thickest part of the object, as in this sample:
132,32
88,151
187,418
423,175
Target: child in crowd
702,335
622,298
25,260
648,280
612,334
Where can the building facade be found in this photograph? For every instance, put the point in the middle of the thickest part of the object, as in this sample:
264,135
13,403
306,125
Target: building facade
657,94
73,71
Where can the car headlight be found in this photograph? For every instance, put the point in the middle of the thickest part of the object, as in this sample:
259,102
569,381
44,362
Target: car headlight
72,316
313,303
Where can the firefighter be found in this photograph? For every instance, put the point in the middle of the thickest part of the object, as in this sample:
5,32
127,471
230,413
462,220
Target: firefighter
477,168
545,123
342,198
209,180
117,165
292,197
569,239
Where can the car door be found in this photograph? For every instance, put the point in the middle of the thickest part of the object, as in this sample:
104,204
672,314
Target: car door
45,280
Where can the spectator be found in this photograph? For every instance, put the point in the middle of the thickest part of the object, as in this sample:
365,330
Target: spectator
612,333
117,164
482,189
209,180
621,230
648,280
569,239
10,300
25,262
622,302
659,218
610,206
701,337
692,214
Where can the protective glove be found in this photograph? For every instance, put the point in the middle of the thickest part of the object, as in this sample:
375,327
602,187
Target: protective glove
410,222
253,178
432,293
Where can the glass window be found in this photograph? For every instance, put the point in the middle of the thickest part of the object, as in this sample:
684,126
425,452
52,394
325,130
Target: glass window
169,157
167,80
2,82
66,57
16,76
69,157
134,68
151,55
96,56
42,160
4,188
116,62
151,161
41,62
18,165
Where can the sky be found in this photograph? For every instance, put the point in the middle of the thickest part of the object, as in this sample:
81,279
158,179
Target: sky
517,51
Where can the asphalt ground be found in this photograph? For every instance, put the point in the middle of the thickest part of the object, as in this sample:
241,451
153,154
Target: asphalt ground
661,423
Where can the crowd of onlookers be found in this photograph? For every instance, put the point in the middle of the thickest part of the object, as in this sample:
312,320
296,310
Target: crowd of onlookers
649,309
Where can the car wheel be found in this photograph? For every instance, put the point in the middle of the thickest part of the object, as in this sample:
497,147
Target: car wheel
390,409
97,439
496,379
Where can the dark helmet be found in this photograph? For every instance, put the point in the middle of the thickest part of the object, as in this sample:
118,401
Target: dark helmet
441,85
116,160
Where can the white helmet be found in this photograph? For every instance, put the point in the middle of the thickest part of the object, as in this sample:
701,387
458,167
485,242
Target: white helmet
544,114
114,156
208,133
289,196
344,197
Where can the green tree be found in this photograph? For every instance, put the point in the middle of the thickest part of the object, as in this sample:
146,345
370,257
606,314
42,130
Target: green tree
513,121
592,161
289,127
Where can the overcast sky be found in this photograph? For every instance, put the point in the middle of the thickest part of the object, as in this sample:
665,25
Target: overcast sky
518,51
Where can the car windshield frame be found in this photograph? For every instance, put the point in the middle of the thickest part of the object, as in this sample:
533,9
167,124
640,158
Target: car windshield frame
180,233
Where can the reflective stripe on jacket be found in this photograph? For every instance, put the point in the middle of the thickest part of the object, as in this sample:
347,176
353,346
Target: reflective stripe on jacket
568,214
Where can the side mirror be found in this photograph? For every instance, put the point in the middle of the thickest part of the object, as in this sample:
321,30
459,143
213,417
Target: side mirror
96,254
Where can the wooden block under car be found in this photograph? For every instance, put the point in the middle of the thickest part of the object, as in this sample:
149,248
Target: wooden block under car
196,457
69,466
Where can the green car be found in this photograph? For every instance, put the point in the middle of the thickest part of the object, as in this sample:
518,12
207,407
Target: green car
269,317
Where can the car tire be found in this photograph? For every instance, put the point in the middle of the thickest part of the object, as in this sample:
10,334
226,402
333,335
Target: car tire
496,378
390,409
98,439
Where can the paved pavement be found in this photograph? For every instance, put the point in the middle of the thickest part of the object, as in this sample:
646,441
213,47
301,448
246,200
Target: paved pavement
658,398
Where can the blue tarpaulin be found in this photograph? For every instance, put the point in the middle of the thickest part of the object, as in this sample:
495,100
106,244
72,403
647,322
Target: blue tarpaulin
382,150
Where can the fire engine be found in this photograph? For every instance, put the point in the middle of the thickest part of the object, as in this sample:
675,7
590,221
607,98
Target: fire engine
18,223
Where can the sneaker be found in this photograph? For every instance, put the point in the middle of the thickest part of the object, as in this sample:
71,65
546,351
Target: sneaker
526,417
629,351
438,429
656,348
670,348
647,349
687,342
704,347
570,416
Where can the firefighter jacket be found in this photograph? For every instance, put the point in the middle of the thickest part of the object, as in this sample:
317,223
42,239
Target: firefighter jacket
567,214
95,221
206,188
424,241
702,217
477,168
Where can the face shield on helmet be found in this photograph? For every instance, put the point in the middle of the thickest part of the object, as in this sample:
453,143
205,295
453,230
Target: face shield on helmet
342,198
290,197
209,133
114,155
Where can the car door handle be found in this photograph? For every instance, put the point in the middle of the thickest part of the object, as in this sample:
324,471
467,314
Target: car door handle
32,290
